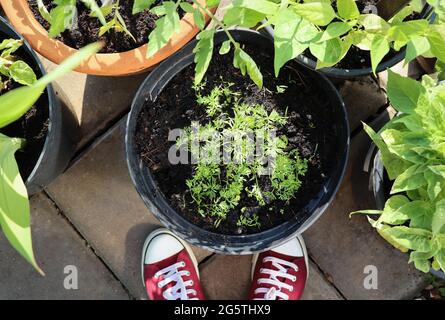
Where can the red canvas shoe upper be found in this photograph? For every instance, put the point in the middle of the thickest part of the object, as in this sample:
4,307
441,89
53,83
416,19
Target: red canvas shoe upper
278,277
174,278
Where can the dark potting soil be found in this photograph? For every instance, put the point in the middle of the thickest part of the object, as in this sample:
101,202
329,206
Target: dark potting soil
33,126
357,58
140,26
310,129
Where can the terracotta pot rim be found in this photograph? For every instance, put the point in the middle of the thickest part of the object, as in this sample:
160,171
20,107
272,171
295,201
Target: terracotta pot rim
102,64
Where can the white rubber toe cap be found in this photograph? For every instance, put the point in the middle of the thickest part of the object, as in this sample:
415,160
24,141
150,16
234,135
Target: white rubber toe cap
293,248
161,247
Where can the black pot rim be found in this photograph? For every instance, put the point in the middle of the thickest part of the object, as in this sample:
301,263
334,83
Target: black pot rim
340,73
232,244
49,92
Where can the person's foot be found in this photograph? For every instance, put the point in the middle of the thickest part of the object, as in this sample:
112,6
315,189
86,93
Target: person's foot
280,273
169,268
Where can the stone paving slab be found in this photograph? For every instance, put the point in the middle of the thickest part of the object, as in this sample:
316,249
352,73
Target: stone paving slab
56,246
99,198
343,247
363,97
97,102
234,280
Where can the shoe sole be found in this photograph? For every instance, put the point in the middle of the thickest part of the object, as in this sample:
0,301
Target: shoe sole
306,258
158,232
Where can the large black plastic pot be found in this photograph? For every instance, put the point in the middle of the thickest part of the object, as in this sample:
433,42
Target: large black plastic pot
62,132
231,244
380,185
339,73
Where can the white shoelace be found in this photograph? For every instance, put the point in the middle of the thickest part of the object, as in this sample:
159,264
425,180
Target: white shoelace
180,289
281,271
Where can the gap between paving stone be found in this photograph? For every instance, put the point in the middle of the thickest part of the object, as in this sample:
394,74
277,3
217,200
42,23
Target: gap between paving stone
56,246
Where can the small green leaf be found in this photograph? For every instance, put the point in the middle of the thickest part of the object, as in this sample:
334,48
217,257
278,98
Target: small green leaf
335,30
403,92
141,5
438,223
379,49
203,53
199,18
320,12
225,47
166,26
328,52
22,73
347,9
246,64
287,46
416,47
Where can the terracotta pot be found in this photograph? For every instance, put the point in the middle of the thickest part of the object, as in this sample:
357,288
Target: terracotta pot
114,64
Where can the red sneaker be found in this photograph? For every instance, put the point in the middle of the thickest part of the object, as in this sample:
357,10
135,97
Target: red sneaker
169,268
280,273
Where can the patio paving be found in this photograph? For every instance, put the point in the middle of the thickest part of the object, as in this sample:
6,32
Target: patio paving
57,246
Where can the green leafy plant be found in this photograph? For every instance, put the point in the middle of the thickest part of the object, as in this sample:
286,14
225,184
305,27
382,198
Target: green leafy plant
64,15
14,203
117,23
11,67
326,29
412,148
216,186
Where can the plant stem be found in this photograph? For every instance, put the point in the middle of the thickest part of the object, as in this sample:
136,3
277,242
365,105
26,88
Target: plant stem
217,21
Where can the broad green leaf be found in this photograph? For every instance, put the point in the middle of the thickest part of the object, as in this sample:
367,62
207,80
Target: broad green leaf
437,43
328,52
62,18
379,49
438,169
242,17
187,7
262,6
335,30
199,18
203,53
287,47
246,64
420,213
141,5
438,223
403,92
410,238
421,260
435,183
22,73
225,47
14,204
347,9
372,22
166,27
392,213
321,12
416,47
14,104
411,179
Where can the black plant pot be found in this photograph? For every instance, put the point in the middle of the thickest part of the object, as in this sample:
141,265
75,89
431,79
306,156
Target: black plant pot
231,244
62,134
339,73
380,185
